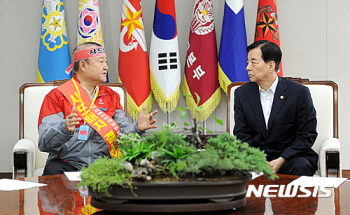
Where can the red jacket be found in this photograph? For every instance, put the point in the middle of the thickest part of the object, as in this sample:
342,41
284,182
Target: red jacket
53,138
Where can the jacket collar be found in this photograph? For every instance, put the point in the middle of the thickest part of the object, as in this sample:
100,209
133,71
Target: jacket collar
99,93
255,104
281,95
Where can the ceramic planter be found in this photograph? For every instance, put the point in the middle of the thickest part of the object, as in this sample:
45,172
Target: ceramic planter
176,196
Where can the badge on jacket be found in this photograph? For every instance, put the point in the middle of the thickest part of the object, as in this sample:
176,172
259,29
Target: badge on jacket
83,132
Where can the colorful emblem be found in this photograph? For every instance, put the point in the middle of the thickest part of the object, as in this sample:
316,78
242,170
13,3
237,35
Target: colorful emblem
267,21
267,25
132,21
132,27
88,23
53,27
202,19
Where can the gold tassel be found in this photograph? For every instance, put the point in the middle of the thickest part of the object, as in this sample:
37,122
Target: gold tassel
208,107
165,103
223,79
135,110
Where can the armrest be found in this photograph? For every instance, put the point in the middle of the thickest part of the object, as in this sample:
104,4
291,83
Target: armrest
23,158
329,157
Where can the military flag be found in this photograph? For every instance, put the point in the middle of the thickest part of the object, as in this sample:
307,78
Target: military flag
89,23
133,60
233,53
201,68
164,56
267,24
54,56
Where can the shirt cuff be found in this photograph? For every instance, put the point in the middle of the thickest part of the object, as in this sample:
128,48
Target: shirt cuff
64,130
141,133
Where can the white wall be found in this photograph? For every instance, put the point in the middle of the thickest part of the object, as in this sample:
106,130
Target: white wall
314,40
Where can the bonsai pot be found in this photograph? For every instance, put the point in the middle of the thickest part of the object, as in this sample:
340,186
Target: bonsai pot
192,196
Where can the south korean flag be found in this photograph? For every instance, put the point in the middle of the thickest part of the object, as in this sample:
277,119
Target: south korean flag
164,56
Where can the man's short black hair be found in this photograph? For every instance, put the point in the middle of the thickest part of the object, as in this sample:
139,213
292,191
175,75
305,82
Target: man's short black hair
269,51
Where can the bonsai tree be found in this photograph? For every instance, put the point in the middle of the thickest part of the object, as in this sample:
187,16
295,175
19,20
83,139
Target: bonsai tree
196,130
166,156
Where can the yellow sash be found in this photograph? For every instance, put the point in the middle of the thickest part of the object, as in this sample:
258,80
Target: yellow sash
96,118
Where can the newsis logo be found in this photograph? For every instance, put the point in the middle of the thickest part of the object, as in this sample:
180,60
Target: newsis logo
288,191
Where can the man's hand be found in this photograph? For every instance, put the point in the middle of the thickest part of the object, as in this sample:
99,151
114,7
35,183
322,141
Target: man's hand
277,163
71,120
146,121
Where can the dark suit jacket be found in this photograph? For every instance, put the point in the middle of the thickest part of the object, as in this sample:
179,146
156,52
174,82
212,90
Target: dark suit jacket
292,124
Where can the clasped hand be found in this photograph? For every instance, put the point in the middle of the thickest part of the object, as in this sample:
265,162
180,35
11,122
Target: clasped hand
277,163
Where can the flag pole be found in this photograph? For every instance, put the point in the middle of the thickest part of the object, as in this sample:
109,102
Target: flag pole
167,114
205,126
168,118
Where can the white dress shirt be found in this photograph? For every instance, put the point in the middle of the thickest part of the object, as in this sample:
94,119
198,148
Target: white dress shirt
266,99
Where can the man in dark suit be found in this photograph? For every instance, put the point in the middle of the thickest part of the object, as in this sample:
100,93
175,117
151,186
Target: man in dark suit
275,114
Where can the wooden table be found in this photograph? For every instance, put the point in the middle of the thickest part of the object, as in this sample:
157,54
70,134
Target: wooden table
61,196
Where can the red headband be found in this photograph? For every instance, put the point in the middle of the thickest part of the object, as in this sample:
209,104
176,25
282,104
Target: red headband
86,53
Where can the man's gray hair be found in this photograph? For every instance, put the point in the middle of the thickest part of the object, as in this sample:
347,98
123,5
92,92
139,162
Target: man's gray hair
82,47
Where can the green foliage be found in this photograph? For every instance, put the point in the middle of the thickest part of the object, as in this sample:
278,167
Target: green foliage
182,111
170,155
103,173
222,156
171,147
233,154
218,121
133,148
165,138
225,154
194,123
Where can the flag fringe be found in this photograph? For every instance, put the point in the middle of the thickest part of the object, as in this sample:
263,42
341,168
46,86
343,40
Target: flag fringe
135,110
208,107
165,104
223,79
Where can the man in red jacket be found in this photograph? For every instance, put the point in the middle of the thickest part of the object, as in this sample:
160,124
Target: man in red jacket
80,120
